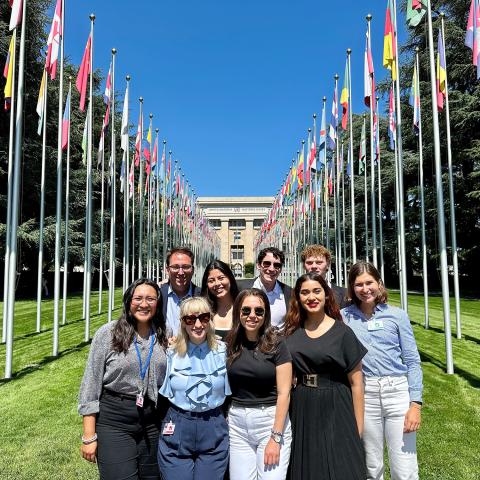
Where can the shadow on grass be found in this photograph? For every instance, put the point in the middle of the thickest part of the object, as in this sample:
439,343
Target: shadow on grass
473,380
45,361
441,330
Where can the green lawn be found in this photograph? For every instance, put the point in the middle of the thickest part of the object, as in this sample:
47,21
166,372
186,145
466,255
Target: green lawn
41,428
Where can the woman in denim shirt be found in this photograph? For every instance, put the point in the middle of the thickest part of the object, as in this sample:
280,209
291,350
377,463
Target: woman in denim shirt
194,436
392,372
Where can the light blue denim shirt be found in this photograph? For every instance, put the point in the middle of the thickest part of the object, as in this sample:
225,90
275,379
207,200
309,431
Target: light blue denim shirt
392,349
197,381
173,310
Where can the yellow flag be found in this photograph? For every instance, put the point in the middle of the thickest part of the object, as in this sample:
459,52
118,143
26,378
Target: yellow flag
8,72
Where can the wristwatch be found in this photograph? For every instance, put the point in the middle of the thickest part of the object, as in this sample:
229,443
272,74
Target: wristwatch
276,436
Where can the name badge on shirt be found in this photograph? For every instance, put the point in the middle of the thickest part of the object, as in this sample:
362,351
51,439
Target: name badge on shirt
374,325
169,428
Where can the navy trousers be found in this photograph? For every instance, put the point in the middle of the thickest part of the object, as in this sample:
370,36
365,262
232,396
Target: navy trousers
198,448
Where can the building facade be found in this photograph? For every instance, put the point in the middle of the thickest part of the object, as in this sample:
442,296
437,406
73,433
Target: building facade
237,220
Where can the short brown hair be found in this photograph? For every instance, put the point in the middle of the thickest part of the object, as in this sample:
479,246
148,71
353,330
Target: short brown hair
185,250
316,251
359,269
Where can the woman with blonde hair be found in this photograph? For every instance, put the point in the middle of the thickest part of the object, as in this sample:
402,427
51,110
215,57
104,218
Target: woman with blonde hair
194,436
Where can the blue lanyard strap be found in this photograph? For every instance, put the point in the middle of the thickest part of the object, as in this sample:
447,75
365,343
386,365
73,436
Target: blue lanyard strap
143,370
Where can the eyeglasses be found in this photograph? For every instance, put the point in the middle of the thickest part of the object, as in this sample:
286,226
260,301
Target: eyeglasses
259,311
139,300
177,268
192,319
268,263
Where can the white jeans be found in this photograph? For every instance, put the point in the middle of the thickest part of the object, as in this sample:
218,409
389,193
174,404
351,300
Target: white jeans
386,403
250,430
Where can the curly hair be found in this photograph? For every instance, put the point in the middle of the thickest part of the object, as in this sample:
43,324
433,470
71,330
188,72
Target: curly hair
359,269
225,269
316,251
267,336
297,315
126,326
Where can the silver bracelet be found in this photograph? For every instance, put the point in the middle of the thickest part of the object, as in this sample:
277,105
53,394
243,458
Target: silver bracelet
88,441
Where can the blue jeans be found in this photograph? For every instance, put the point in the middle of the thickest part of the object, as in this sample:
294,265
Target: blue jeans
198,447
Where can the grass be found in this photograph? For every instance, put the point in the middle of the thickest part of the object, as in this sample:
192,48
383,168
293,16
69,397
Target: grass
41,428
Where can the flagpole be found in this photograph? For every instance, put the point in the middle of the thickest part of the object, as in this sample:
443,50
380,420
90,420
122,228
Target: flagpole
113,198
372,163
401,218
365,188
422,196
440,205
164,206
451,194
12,259
352,170
42,209
157,211
380,222
344,232
88,243
67,205
126,201
149,206
102,221
58,221
140,199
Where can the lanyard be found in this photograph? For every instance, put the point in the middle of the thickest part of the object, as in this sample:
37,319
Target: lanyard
143,370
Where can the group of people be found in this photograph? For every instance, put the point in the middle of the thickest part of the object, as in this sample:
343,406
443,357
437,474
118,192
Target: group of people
253,379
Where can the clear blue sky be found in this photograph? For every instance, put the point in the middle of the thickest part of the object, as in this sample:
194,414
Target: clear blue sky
232,85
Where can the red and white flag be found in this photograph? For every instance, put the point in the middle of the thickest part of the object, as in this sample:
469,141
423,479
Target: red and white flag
16,15
83,73
53,42
138,141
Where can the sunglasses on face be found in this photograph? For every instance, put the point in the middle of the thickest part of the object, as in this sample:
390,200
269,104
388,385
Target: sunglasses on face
192,319
268,263
259,311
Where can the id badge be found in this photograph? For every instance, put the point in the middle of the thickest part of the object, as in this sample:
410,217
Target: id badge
139,401
374,325
169,428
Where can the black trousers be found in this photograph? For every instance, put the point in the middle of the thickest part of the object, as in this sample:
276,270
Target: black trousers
127,438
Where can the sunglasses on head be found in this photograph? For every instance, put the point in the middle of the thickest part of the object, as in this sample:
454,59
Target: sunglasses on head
259,311
192,319
268,263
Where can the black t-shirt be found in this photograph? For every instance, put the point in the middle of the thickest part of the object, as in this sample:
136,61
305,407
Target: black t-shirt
252,375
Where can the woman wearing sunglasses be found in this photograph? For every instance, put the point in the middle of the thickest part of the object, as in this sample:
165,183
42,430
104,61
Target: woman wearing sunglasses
260,376
119,390
194,436
220,288
327,402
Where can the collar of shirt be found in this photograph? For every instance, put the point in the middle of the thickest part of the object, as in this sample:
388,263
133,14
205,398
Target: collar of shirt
177,299
276,292
201,348
380,307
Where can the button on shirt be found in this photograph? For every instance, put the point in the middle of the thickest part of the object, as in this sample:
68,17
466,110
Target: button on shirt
392,350
276,299
173,310
197,381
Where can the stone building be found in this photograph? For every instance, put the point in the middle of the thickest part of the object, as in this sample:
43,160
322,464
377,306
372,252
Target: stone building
237,221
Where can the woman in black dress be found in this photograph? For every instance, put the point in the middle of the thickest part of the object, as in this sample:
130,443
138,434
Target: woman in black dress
327,402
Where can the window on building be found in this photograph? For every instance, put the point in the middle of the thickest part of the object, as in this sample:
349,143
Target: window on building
236,223
257,222
236,253
215,222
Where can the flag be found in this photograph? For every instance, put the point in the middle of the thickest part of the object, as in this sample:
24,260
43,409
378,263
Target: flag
108,87
300,169
53,42
138,140
376,136
8,73
323,137
122,173
83,73
362,154
441,72
155,154
16,14
472,36
368,72
85,139
389,42
131,179
66,123
332,130
415,100
344,97
124,129
349,164
311,159
41,102
146,148
101,148
416,9
392,123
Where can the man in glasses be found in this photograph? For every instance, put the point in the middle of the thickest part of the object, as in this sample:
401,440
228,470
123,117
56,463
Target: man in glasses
270,261
179,264
316,258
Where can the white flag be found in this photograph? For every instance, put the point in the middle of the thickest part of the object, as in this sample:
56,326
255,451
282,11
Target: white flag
124,130
41,102
16,16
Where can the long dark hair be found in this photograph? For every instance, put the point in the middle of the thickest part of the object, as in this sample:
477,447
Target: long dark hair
297,315
125,327
359,269
225,269
267,337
